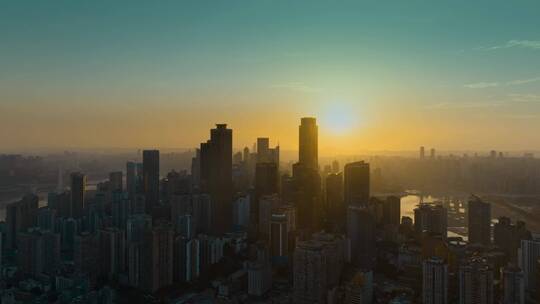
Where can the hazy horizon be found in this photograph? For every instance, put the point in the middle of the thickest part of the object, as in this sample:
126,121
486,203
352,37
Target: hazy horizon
378,76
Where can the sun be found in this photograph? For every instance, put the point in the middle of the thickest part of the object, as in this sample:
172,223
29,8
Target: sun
339,118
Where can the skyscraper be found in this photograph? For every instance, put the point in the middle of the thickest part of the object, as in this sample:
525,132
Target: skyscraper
265,154
361,233
86,254
513,285
431,219
392,210
310,273
307,196
267,203
434,281
356,183
216,175
479,216
157,254
151,179
508,236
263,149
20,216
335,205
266,183
131,179
112,249
308,143
78,189
38,252
475,281
529,253
116,181
279,236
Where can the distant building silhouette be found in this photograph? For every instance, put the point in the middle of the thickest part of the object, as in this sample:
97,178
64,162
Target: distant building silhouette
431,219
308,145
335,204
216,176
479,221
266,183
116,181
306,178
392,210
356,183
78,189
361,224
151,179
20,216
157,258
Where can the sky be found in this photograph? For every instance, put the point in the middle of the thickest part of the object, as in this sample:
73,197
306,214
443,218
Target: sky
378,75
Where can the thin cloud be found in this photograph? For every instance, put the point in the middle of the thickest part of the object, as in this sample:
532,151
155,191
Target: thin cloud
481,85
297,86
523,81
528,44
485,84
524,97
521,116
463,105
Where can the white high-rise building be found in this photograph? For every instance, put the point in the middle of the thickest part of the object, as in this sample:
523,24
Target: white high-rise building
435,281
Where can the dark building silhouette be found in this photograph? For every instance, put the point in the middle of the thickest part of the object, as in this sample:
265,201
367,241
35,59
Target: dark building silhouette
86,254
361,231
78,189
308,143
306,177
508,236
431,219
392,210
157,258
38,252
151,179
356,183
263,149
307,187
265,154
112,249
216,175
335,204
20,216
131,179
266,183
479,216
115,181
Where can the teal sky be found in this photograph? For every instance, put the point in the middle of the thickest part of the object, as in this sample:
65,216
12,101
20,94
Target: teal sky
377,74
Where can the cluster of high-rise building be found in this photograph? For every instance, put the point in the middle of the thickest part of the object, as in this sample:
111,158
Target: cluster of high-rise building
240,228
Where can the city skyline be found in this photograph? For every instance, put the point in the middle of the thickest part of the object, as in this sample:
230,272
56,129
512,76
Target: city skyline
270,151
378,76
